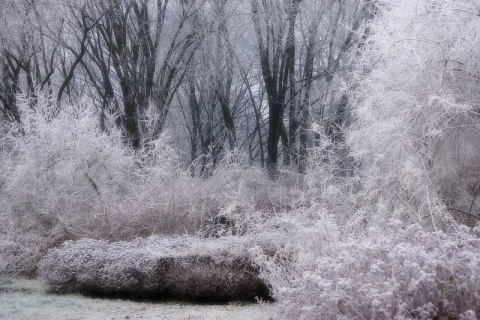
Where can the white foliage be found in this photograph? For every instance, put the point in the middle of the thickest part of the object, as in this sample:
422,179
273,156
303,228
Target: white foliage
415,138
401,272
63,178
181,267
60,163
416,106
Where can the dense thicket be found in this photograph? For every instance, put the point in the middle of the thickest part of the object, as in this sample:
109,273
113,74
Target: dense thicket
416,103
346,132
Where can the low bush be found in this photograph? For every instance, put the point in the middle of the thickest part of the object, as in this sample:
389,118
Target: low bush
402,272
183,268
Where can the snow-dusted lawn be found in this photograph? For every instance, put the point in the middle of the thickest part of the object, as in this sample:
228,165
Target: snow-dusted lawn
28,299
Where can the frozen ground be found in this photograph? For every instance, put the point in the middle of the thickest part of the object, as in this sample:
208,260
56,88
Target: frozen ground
22,299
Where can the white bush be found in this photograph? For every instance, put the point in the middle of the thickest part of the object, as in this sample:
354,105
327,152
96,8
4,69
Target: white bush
63,178
415,101
184,268
402,272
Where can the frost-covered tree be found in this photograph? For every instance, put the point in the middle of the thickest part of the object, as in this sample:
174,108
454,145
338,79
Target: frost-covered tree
416,100
210,98
303,51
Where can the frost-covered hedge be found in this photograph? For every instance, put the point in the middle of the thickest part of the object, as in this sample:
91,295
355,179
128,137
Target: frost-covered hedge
403,272
181,268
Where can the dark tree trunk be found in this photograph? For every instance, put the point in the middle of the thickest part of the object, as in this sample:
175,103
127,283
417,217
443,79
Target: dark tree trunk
277,65
305,109
10,87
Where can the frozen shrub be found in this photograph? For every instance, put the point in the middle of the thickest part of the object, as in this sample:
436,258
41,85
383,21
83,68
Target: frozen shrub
63,178
10,253
56,167
183,268
403,272
205,278
415,105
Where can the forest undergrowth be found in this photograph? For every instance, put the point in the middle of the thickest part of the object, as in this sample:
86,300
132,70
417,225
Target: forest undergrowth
318,241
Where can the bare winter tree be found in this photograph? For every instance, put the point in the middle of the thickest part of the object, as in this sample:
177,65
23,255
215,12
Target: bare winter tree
213,100
28,52
303,75
131,58
332,35
139,52
205,95
275,32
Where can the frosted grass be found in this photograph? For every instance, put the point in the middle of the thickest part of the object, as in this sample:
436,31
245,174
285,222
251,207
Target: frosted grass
22,299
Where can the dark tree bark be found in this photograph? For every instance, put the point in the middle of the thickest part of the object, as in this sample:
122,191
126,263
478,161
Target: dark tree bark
78,56
146,77
224,78
277,62
9,88
305,108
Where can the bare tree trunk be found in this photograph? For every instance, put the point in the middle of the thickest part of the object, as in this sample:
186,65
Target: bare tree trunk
224,79
133,42
305,109
10,87
277,61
